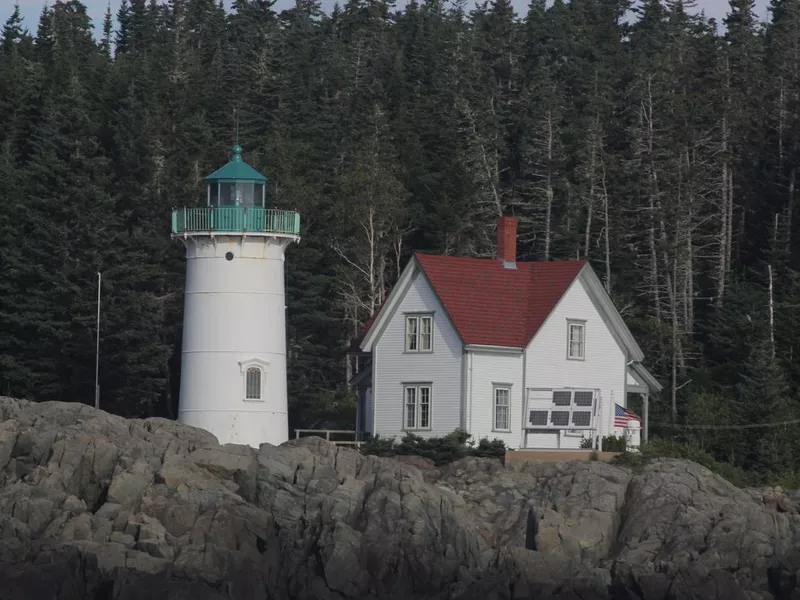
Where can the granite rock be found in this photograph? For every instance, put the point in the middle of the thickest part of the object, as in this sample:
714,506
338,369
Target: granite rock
97,506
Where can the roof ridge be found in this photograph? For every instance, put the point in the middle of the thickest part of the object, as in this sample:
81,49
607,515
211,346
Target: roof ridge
495,259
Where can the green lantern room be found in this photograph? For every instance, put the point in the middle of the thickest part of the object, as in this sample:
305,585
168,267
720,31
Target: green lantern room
235,203
236,184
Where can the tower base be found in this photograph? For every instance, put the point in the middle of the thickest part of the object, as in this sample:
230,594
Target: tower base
240,427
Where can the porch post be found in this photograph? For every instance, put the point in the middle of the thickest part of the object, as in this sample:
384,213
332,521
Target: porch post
646,407
358,414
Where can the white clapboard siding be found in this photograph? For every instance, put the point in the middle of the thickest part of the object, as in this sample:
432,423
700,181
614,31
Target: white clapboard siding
604,364
543,440
393,367
485,369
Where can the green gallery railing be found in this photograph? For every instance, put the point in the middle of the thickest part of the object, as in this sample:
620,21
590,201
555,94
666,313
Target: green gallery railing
235,219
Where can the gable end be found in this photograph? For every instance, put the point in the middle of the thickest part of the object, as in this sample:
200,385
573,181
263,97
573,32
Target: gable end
390,306
604,303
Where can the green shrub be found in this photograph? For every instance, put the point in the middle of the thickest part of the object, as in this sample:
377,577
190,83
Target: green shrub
612,443
441,450
587,443
379,446
490,449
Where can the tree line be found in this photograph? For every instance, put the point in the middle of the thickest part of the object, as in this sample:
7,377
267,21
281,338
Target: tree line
664,148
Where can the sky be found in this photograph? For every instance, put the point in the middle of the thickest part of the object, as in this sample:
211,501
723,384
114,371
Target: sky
32,8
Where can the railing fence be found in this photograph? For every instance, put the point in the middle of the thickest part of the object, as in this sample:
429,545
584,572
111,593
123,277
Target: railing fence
326,434
236,219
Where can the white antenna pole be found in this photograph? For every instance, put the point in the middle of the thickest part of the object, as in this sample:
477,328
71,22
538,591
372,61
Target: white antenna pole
97,351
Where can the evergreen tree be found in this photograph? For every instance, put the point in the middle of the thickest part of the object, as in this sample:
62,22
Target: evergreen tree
661,148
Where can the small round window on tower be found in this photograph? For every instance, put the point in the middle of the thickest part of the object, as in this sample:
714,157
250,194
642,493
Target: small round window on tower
229,255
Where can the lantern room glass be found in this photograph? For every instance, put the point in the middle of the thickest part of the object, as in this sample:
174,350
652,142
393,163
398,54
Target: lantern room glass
236,194
227,194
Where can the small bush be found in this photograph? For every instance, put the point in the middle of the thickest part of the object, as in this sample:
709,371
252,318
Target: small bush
612,443
587,443
379,446
490,449
441,450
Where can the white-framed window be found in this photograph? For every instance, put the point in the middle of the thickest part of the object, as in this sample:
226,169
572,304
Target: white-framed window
576,340
502,408
254,374
252,385
419,333
416,406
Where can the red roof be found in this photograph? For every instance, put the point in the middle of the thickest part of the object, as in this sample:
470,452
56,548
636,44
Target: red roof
494,306
488,304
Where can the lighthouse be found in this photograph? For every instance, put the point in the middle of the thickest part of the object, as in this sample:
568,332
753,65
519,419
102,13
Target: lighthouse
233,368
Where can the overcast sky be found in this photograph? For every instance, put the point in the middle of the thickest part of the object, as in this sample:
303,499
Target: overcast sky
32,8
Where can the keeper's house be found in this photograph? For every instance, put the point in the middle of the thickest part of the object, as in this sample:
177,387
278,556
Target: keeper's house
533,353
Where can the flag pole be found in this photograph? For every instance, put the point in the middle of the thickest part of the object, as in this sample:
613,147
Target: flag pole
97,349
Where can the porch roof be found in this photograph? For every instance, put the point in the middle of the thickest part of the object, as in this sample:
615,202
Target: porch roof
640,380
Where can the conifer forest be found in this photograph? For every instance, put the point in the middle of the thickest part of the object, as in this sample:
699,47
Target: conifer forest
661,145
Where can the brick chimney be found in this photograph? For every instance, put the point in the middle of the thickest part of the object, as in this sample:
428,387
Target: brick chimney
507,241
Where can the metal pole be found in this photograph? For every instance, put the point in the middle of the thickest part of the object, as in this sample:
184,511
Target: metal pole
97,351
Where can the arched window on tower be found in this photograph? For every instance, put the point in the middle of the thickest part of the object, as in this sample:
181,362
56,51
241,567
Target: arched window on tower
254,372
253,383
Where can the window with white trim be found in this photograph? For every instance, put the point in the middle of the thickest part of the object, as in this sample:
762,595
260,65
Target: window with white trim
416,407
419,333
254,372
576,340
502,408
253,383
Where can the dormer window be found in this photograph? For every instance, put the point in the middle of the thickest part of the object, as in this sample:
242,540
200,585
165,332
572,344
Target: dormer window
419,333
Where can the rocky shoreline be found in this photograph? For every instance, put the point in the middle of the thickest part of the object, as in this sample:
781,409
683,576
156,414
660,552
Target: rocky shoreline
94,506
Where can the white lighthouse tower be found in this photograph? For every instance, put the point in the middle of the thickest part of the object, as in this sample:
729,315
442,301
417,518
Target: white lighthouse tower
233,371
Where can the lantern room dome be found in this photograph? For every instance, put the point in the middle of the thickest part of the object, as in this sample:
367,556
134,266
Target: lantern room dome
237,184
236,170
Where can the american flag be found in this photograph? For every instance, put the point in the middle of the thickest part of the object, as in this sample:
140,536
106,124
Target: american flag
623,415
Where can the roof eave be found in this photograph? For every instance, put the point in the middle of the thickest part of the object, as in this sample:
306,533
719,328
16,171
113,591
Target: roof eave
647,377
617,322
235,179
493,348
361,376
237,171
389,307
